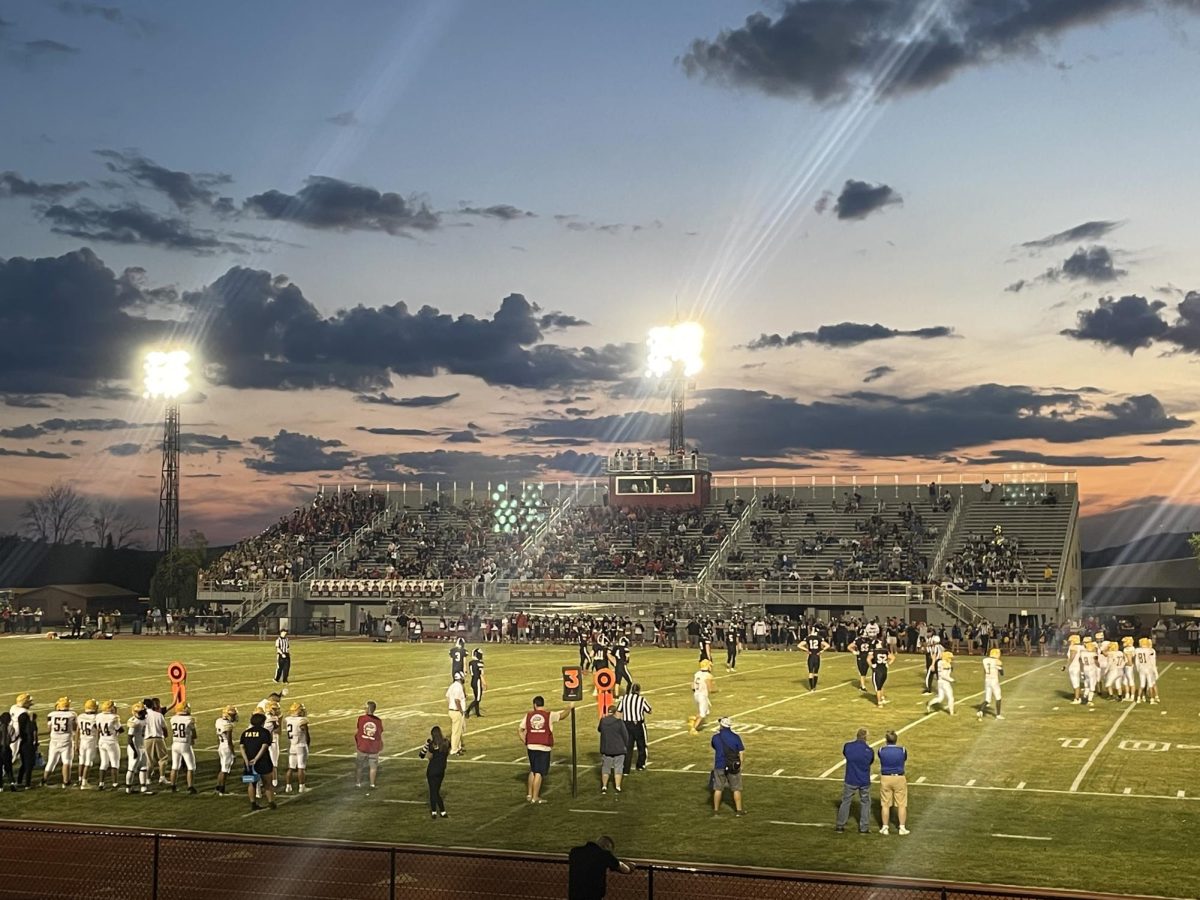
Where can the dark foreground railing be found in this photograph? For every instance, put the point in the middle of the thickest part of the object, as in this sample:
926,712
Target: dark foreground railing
79,863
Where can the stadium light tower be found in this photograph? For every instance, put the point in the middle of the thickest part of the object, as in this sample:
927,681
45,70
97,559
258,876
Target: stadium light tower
673,353
166,378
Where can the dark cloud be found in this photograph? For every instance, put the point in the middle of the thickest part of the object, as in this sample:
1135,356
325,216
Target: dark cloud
505,212
458,465
1128,323
844,334
46,47
345,119
25,401
859,199
406,402
59,426
199,444
828,50
1006,457
289,451
30,453
263,333
185,189
560,321
576,411
108,13
396,432
567,401
1088,231
1094,265
133,224
759,425
330,203
1173,442
876,373
463,437
128,449
13,185
573,222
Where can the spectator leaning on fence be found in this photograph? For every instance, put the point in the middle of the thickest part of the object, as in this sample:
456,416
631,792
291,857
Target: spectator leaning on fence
588,868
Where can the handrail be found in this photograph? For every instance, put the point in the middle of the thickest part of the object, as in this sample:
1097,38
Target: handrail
722,552
1061,574
336,554
939,558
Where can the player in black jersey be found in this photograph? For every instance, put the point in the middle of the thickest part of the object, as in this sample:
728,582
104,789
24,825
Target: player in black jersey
478,684
861,648
814,645
705,645
733,643
880,658
582,640
458,658
620,656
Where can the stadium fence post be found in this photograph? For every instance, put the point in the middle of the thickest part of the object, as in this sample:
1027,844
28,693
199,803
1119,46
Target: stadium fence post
154,877
392,883
574,757
650,882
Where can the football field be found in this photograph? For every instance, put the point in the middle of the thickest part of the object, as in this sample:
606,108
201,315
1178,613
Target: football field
1102,799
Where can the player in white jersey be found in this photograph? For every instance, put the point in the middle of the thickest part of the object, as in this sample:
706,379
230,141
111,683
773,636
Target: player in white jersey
108,724
296,726
89,740
64,734
1089,671
1074,666
945,684
139,762
702,691
1128,685
993,669
1114,670
272,725
23,705
183,741
263,704
1145,660
225,752
933,653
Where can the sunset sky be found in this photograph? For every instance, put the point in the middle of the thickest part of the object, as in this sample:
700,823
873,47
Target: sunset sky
427,239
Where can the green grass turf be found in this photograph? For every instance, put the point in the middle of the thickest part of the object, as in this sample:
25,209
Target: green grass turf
1124,828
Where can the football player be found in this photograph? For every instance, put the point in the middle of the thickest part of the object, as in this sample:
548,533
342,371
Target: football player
23,705
89,740
478,683
273,697
1074,666
945,683
933,654
296,726
815,646
1128,685
1146,662
458,657
702,689
225,752
993,670
1114,670
861,648
64,733
183,741
108,724
620,657
880,657
139,763
272,712
1089,671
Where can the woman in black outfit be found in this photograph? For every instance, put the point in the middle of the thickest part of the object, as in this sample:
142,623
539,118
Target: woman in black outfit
437,749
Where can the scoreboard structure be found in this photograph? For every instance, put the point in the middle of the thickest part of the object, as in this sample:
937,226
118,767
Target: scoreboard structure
659,483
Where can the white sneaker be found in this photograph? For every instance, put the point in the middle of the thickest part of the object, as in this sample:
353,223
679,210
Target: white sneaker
903,830
883,830
999,717
301,789
287,789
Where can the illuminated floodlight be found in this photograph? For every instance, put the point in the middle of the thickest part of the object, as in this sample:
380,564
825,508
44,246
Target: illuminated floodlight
166,374
672,346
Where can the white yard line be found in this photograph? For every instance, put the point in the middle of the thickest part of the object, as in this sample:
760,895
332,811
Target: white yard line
1108,737
929,716
800,824
1021,837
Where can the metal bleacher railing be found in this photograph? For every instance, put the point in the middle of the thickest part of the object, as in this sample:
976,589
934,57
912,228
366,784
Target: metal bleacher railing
47,860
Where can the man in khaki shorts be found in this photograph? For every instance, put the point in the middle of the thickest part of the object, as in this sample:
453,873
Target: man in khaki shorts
893,785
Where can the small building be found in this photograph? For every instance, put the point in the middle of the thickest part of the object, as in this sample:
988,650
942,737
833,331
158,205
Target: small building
91,598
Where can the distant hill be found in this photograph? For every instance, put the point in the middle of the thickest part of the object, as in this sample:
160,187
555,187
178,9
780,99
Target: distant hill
30,564
1152,548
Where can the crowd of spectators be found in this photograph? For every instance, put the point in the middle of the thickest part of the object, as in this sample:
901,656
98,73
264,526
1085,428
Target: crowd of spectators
613,542
289,548
988,560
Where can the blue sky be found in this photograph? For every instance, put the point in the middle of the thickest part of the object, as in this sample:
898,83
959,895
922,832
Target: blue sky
648,186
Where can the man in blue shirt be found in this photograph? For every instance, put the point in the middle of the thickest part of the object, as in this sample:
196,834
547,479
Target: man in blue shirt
729,752
893,785
859,758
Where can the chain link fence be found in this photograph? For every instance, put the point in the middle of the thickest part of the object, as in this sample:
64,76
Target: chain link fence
65,861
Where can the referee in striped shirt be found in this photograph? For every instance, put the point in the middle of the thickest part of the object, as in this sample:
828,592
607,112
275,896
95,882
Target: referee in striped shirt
634,709
283,654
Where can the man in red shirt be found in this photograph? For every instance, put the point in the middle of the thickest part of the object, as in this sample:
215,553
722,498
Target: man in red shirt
537,733
368,738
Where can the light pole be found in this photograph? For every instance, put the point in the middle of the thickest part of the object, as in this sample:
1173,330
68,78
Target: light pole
673,353
166,378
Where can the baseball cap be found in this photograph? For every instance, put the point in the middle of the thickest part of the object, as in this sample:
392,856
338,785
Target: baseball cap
725,722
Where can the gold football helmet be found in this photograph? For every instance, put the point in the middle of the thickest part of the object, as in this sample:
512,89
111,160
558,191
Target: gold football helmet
25,700
90,706
63,703
230,713
297,709
108,706
994,653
